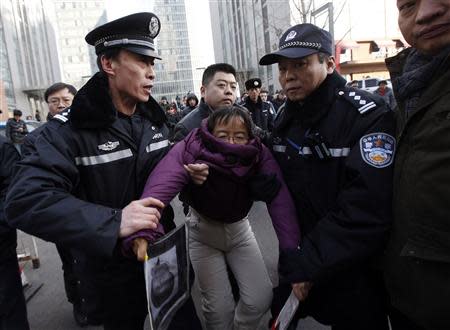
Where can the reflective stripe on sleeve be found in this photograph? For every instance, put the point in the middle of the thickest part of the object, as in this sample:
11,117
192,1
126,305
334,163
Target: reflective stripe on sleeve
157,145
334,152
102,159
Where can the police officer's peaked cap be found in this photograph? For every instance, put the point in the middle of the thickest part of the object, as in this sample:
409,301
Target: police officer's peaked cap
133,32
299,41
253,83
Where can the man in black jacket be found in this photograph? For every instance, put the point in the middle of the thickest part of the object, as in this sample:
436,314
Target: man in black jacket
218,90
80,185
16,130
261,111
335,146
13,313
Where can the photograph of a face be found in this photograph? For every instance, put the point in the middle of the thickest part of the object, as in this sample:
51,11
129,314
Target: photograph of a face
167,277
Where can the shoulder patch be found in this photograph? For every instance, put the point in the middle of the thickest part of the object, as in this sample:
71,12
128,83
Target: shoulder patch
62,116
377,149
361,101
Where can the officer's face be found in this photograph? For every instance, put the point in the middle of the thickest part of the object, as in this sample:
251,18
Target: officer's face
263,96
425,24
302,76
132,76
220,91
59,100
253,94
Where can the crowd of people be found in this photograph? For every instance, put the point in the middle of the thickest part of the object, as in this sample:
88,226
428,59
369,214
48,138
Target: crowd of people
356,186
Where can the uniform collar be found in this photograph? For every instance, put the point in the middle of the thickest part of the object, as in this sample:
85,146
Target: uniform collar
316,105
92,106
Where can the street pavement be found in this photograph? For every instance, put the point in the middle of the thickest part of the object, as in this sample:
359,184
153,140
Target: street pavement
48,309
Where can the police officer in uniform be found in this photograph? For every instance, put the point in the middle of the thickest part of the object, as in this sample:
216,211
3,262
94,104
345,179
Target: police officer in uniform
81,182
335,146
261,111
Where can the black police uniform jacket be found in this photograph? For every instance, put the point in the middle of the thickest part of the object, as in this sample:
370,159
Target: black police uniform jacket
192,120
261,112
81,171
343,193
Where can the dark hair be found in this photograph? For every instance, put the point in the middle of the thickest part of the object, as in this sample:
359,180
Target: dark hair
323,57
57,87
382,82
224,116
17,112
111,53
211,70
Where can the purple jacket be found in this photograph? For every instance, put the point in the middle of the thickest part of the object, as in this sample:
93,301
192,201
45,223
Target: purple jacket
224,196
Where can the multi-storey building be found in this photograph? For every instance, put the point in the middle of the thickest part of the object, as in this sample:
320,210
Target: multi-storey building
245,30
29,61
74,19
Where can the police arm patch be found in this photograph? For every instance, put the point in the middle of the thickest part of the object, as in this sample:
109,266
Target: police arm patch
377,149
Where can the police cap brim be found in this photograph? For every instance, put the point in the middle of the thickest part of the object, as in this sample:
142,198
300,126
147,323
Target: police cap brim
143,51
291,53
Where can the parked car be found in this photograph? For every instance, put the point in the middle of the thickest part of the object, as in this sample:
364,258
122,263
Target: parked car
31,125
371,84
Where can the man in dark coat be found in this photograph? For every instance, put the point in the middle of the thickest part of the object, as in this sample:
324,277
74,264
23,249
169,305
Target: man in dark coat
335,147
417,269
386,93
80,185
16,130
262,112
13,312
218,90
191,104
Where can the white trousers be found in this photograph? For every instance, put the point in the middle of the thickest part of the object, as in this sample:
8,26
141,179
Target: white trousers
214,244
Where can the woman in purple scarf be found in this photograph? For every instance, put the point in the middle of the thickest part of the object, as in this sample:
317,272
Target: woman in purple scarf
220,232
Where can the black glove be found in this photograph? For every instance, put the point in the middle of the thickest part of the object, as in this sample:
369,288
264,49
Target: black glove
264,187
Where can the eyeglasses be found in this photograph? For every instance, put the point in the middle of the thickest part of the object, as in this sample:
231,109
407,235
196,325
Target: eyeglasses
58,101
237,139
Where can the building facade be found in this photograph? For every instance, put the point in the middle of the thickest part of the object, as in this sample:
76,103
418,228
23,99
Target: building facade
29,61
246,30
174,71
74,19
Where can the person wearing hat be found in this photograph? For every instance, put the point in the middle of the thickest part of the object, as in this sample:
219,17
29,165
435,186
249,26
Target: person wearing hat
79,186
386,93
335,146
261,111
191,104
16,130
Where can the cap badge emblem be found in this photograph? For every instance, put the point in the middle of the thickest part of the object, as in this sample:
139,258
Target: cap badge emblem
256,83
153,27
291,36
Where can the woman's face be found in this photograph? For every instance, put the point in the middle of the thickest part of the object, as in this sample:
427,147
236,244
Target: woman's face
233,132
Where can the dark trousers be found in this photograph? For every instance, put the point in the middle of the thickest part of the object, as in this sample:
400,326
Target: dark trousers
13,312
70,280
355,303
400,322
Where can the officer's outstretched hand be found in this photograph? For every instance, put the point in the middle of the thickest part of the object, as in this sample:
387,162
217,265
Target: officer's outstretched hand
140,248
140,214
198,172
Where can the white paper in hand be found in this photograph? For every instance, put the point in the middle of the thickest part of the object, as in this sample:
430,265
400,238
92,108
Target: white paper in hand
287,313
